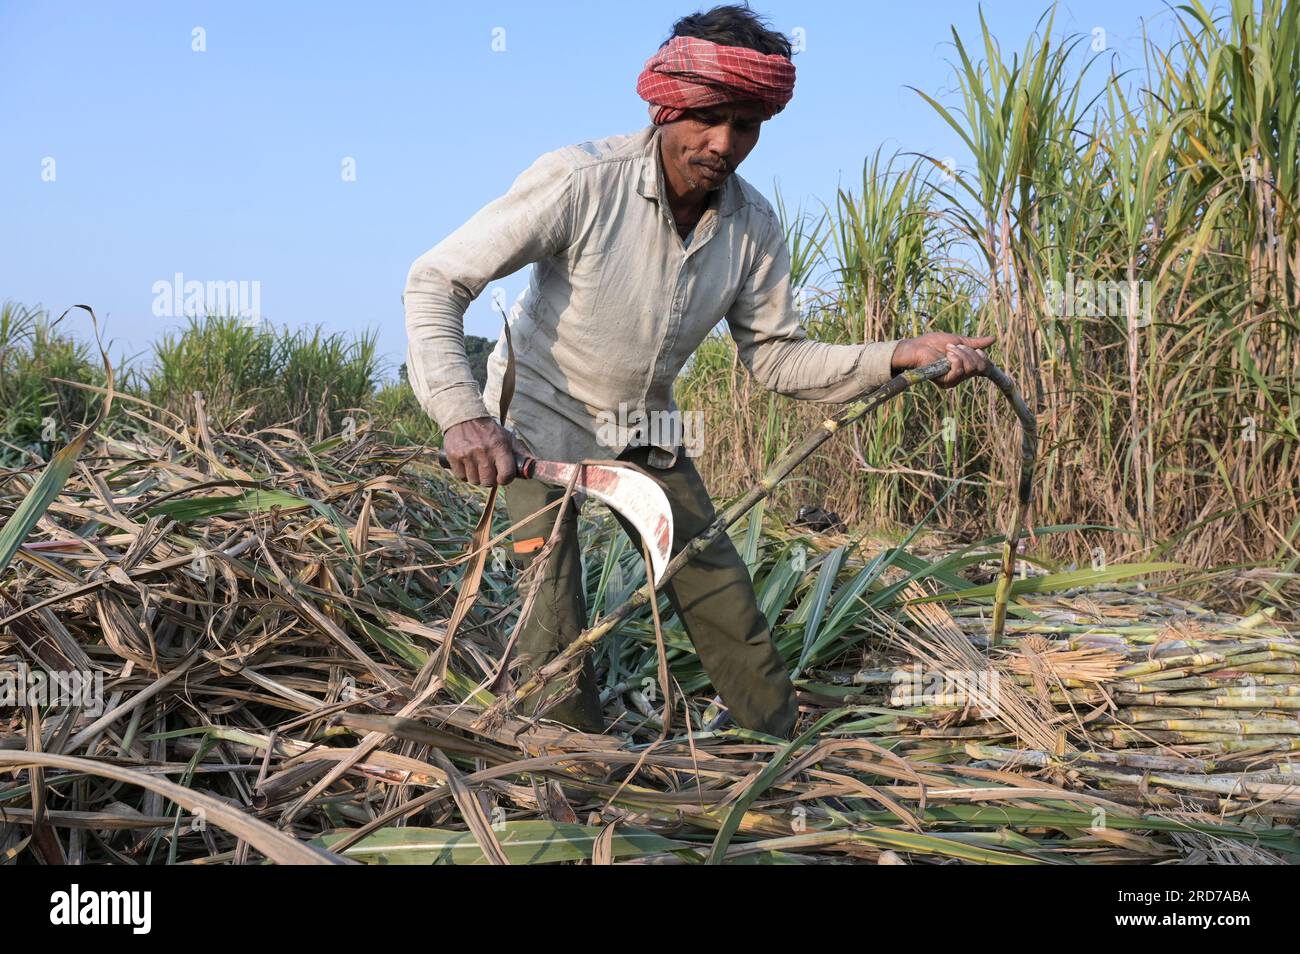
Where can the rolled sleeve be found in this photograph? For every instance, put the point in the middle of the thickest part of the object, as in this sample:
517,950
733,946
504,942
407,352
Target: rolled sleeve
530,222
775,348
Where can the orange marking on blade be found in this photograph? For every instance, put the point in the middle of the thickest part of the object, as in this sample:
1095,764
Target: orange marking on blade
528,546
663,534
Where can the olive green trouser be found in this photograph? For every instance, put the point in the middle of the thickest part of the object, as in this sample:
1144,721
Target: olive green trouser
712,595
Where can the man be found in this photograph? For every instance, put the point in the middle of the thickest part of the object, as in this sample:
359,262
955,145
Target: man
641,244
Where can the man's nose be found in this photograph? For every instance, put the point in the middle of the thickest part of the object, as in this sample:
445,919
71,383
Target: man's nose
722,140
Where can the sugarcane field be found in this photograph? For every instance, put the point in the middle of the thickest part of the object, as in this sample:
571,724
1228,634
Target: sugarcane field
422,469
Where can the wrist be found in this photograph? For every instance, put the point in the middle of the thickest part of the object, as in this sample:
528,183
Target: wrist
898,361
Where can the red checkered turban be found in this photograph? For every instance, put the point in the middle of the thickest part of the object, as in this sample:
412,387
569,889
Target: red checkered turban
691,73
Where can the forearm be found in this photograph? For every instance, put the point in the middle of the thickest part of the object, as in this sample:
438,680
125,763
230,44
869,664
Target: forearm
818,371
776,349
437,366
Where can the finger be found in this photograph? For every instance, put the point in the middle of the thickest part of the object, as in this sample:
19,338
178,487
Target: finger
985,342
487,470
966,357
976,362
470,467
457,466
969,362
954,374
504,461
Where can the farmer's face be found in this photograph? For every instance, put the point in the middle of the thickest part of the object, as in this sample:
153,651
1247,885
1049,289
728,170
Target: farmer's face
705,146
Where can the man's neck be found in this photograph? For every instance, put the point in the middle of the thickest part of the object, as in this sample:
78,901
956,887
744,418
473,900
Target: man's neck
686,204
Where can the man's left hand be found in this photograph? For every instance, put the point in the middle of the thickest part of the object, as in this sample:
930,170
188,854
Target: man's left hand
965,354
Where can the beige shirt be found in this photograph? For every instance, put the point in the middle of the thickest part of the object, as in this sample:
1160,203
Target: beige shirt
616,305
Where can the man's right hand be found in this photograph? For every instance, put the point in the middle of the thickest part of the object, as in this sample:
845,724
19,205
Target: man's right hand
966,357
481,452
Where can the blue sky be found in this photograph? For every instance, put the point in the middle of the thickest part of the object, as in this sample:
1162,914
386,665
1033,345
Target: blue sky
228,164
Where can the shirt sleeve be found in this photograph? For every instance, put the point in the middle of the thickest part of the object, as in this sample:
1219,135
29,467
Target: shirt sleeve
530,222
775,348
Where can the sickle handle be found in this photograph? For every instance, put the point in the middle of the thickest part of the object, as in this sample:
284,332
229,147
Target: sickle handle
524,464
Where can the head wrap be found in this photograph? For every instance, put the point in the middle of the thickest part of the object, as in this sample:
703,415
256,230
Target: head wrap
692,73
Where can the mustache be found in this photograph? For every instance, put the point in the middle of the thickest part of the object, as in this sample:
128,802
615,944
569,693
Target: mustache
718,165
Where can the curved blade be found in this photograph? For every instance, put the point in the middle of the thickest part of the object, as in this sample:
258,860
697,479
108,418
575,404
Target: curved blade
636,497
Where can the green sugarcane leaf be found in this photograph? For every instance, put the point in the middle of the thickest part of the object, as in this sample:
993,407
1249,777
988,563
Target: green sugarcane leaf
44,491
532,842
781,582
1054,582
760,783
753,536
252,501
395,643
48,485
817,600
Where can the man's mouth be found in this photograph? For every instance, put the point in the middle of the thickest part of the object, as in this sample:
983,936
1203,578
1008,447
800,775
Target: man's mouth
712,170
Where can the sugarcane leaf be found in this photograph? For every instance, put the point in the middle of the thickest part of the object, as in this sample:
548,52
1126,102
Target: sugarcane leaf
48,485
45,490
251,501
817,601
279,846
761,782
534,841
781,581
1054,582
753,537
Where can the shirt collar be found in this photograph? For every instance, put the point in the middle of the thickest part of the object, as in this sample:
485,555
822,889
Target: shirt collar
650,182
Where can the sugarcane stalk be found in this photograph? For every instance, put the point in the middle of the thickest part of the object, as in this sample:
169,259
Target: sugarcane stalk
1231,727
773,478
1205,741
1149,713
1257,701
1230,686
